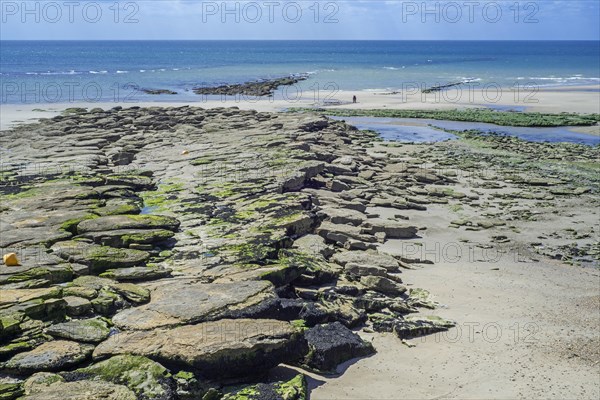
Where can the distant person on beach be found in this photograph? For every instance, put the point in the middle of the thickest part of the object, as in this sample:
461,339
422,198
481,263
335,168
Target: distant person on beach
354,99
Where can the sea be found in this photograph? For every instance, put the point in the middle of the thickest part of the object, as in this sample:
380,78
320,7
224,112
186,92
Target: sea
70,71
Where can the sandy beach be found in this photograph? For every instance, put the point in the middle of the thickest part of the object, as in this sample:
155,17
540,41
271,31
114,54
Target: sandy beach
526,323
578,99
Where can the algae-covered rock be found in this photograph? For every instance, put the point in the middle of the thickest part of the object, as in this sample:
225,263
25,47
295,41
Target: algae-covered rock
137,274
382,285
294,389
146,378
134,293
99,258
219,349
54,387
420,298
127,237
332,344
117,222
92,330
50,356
10,390
414,326
77,306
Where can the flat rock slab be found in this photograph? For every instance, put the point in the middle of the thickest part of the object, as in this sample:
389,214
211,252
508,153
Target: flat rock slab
218,349
343,234
125,237
392,229
344,216
14,296
382,285
50,356
32,236
367,258
53,387
137,274
116,222
332,344
184,302
99,258
415,326
91,330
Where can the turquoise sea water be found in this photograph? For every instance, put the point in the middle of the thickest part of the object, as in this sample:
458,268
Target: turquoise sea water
63,71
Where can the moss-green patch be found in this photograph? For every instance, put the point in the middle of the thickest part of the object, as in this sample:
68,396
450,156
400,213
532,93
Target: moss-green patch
164,196
58,274
120,209
294,389
250,253
70,225
456,207
146,378
184,375
202,161
23,193
80,291
147,237
10,391
246,215
505,118
248,393
299,323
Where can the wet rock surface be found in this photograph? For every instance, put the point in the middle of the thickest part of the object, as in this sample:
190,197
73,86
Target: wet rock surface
193,248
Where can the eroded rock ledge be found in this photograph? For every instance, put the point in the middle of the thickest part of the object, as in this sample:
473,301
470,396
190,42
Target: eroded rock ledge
169,252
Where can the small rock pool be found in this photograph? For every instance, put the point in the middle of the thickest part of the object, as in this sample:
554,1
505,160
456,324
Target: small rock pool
413,130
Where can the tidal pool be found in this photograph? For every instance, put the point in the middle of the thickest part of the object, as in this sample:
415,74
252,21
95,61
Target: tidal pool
429,130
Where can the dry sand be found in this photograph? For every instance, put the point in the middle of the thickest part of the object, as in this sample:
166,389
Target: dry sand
526,329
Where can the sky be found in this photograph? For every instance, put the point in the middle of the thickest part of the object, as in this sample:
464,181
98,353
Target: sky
299,20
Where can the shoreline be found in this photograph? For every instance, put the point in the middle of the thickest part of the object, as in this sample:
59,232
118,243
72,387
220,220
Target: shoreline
558,100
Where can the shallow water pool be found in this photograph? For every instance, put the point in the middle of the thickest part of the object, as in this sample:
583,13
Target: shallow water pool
424,130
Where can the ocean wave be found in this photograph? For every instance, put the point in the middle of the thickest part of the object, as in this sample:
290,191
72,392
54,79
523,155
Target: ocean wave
394,68
375,90
71,72
318,71
122,72
468,79
98,72
564,79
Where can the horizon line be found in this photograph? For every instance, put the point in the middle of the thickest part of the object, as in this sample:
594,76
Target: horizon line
300,40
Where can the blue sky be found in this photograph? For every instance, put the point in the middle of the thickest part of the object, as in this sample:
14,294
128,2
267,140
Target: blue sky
296,20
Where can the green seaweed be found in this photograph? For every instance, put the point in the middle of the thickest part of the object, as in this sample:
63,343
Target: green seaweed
505,118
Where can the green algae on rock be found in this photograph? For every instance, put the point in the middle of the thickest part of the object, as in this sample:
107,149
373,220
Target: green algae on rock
294,389
146,378
99,258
